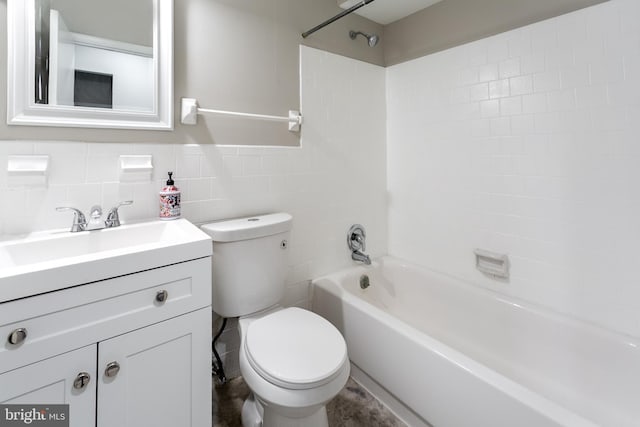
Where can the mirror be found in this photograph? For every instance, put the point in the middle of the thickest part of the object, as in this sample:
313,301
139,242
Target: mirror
91,63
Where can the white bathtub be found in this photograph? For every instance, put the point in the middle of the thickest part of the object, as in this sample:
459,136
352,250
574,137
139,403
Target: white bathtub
457,355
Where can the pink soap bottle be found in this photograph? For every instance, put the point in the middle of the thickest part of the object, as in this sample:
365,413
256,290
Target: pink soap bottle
170,200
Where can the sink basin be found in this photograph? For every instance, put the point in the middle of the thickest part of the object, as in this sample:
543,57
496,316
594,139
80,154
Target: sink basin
61,245
47,261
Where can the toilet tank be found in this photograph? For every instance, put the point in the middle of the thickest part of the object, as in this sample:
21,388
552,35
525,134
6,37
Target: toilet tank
249,262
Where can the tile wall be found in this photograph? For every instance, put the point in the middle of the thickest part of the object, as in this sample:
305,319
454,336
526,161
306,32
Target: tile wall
336,178
526,143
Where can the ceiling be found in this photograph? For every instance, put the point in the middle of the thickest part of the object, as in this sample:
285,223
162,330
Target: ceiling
387,11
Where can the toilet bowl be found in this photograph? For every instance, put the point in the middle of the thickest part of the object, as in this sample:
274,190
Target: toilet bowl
293,360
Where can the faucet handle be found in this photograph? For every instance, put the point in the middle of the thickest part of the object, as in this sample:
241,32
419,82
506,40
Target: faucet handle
360,239
113,218
356,238
79,220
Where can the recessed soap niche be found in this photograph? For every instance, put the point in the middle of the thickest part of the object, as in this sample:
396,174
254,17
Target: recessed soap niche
27,170
135,168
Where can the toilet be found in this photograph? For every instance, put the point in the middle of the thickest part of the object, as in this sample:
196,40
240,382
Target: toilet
293,360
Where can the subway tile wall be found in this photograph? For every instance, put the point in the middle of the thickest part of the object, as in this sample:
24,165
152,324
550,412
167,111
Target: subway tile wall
526,143
334,179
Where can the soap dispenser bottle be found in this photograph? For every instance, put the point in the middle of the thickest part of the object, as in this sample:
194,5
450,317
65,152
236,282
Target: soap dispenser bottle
170,200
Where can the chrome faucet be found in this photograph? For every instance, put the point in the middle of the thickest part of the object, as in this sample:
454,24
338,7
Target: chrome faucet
80,221
113,218
356,241
359,256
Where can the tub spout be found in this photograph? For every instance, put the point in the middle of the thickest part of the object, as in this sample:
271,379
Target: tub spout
359,256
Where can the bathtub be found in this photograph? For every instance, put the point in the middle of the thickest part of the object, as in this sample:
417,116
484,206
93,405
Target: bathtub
458,355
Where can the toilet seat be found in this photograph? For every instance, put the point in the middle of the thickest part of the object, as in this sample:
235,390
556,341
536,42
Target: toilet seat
295,349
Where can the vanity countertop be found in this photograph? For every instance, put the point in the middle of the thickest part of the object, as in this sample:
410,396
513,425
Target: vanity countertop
51,260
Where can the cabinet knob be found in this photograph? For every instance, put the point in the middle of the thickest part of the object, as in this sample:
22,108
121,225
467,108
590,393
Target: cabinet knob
162,296
17,336
112,369
81,381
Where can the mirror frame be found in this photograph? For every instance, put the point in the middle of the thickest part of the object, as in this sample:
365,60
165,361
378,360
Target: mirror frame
21,106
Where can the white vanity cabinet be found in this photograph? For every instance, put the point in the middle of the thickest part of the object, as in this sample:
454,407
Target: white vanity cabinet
133,350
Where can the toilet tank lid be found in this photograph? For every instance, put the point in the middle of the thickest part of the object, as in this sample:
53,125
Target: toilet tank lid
248,228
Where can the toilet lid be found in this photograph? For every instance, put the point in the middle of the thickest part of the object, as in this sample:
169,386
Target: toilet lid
295,348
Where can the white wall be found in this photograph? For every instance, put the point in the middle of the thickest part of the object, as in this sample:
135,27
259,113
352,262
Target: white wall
237,55
65,76
61,62
335,179
526,143
133,82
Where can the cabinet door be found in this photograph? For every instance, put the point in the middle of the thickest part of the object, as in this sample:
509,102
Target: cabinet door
51,382
162,377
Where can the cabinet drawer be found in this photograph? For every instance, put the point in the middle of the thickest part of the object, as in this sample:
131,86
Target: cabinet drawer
79,316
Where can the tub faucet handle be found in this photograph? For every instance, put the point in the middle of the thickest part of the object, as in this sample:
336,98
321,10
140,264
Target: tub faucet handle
356,238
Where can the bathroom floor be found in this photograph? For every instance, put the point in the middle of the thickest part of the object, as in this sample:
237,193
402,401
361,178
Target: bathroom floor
353,407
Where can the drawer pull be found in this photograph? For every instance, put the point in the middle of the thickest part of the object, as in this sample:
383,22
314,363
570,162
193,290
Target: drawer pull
112,369
81,380
17,336
162,296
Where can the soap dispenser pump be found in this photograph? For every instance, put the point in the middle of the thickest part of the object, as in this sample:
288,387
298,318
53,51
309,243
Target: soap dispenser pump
170,200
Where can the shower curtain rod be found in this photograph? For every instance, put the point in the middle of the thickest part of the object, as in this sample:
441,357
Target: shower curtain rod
335,18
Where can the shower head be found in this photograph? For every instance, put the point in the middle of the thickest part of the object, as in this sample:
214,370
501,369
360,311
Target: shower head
372,39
